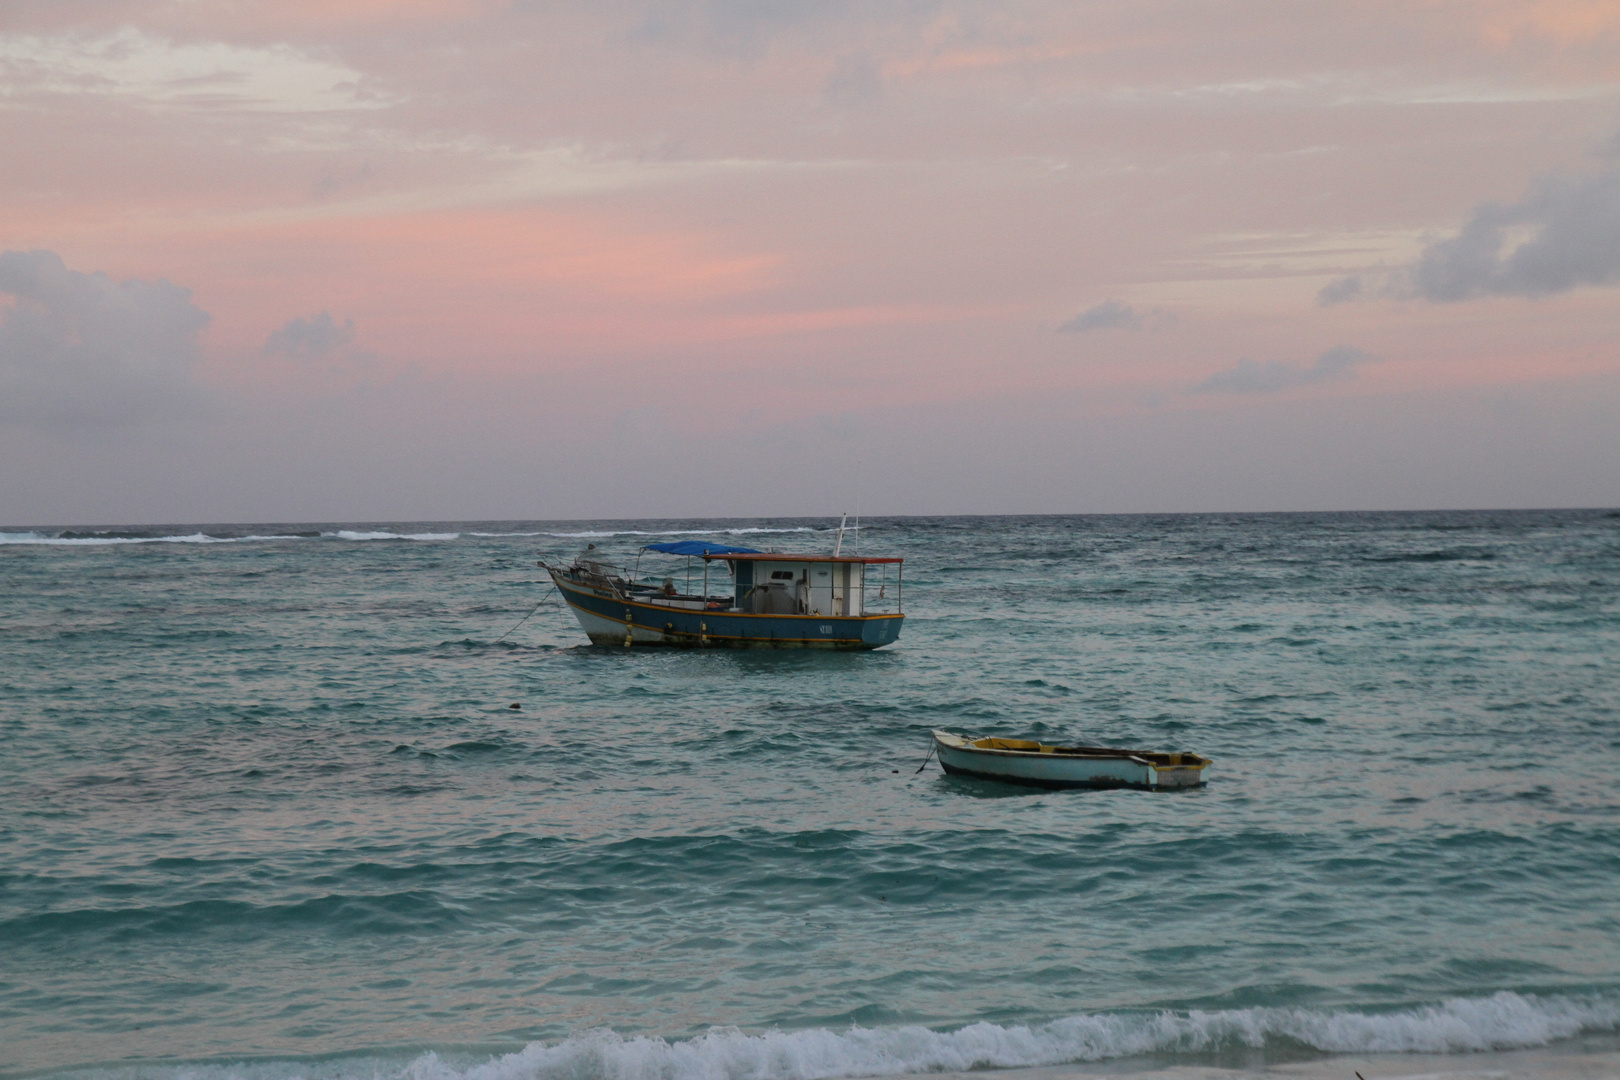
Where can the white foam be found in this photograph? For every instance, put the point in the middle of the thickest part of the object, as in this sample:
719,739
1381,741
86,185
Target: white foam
349,534
203,538
103,541
675,532
1503,1021
354,534
664,532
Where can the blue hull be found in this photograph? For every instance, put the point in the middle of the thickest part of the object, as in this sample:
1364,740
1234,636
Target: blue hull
610,620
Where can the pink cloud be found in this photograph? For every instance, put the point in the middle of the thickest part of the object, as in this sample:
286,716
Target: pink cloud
841,207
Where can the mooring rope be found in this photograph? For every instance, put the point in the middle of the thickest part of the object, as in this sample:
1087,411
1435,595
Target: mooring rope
932,746
525,618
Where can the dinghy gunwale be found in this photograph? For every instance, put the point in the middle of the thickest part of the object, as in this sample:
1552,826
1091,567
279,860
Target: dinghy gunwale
1141,769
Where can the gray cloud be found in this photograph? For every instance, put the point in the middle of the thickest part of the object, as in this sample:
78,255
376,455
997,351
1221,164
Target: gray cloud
1249,377
83,349
1115,315
741,28
309,339
1341,290
856,79
1565,233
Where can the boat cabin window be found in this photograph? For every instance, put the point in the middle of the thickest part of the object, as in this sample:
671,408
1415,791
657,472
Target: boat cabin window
781,575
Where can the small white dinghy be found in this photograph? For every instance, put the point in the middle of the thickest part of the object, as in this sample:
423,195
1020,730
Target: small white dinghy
1024,761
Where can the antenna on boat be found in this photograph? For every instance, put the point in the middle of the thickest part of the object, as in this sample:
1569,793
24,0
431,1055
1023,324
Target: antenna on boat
858,472
838,547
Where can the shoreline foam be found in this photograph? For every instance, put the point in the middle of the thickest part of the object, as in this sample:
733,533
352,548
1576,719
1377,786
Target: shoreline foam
1450,1040
1579,1059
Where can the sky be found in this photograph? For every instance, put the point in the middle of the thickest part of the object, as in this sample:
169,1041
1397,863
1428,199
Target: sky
368,260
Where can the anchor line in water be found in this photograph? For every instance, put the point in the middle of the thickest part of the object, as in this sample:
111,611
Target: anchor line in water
525,618
932,746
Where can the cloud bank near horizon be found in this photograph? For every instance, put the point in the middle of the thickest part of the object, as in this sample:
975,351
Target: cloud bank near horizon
80,349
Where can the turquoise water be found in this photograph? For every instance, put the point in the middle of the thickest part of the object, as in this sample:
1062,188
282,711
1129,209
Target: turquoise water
265,810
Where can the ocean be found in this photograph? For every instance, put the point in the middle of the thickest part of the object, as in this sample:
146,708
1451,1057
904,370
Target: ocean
266,810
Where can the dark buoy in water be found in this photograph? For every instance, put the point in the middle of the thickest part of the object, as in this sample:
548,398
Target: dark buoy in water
514,705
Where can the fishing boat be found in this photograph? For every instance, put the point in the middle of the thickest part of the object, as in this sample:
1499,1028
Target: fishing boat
775,600
1036,764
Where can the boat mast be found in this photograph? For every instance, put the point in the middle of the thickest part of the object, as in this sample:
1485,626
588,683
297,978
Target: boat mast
838,547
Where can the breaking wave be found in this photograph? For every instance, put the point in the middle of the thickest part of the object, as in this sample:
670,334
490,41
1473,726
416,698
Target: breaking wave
90,539
671,532
1503,1021
70,538
347,534
102,539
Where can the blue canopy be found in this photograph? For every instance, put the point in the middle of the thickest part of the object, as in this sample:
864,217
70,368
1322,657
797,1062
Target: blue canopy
698,547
